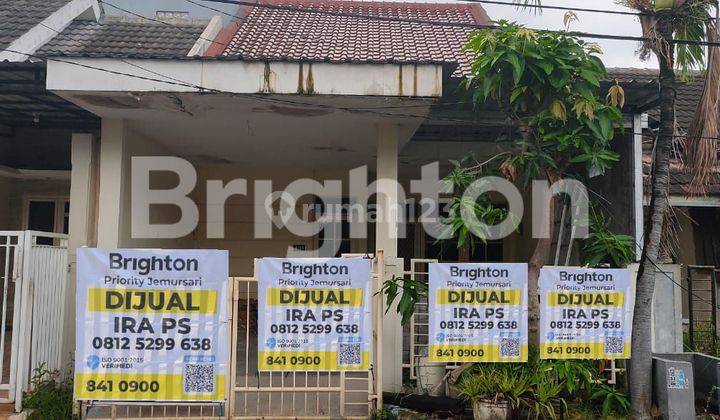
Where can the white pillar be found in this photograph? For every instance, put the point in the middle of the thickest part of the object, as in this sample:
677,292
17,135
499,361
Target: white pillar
82,225
387,195
111,200
638,199
386,233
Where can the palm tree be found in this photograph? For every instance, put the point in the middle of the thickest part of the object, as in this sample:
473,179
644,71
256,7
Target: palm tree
662,22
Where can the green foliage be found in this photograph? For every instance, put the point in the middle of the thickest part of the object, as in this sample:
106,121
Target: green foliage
49,398
704,342
485,213
692,21
613,401
539,388
410,292
548,82
383,414
604,247
497,383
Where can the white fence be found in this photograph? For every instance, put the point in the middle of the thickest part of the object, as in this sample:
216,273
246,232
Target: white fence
33,277
277,395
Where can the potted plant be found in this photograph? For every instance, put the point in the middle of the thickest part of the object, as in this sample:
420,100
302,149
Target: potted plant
494,391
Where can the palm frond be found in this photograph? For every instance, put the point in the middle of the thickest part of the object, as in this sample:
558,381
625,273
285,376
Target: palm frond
701,151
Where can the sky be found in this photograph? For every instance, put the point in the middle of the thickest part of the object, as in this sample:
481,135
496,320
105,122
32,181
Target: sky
615,53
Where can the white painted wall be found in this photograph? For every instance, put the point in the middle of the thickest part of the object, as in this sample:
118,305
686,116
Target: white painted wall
244,77
14,192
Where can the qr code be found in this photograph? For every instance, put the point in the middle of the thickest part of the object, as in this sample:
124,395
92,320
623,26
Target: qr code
614,345
349,354
510,347
199,378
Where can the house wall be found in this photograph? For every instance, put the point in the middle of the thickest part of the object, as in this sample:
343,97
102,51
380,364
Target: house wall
4,203
240,210
685,250
616,187
13,195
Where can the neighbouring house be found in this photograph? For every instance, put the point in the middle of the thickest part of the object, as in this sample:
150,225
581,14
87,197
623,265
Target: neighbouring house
36,127
35,124
278,95
694,242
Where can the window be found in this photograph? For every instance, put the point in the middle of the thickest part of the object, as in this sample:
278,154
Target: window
446,250
336,232
338,235
47,214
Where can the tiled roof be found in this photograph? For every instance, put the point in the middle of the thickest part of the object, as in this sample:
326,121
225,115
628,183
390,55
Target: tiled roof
273,34
19,16
687,100
680,179
118,39
689,93
631,74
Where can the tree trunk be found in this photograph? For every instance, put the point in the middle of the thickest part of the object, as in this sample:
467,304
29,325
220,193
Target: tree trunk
537,261
641,362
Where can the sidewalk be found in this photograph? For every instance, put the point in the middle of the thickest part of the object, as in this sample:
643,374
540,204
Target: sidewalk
6,410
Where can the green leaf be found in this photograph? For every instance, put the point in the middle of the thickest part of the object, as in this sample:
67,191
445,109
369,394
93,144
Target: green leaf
590,77
518,66
606,128
558,78
517,92
546,66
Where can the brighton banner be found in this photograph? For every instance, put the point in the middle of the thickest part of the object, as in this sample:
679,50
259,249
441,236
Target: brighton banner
314,314
152,325
478,312
585,313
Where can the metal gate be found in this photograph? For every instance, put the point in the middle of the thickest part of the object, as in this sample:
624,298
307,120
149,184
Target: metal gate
702,308
291,395
33,277
277,395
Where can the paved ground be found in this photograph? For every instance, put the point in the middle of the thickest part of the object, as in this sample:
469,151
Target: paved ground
6,410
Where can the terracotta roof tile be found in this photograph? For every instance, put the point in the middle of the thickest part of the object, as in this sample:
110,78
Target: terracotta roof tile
272,34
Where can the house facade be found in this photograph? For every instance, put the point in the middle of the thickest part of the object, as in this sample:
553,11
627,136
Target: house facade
281,93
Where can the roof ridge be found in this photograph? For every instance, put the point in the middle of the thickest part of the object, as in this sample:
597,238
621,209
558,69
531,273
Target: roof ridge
144,22
397,4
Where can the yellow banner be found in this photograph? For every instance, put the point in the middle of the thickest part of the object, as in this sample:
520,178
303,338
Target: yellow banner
500,297
315,297
475,353
152,301
581,351
310,360
585,299
145,387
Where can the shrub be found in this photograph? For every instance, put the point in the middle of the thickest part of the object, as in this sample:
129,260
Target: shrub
50,399
542,388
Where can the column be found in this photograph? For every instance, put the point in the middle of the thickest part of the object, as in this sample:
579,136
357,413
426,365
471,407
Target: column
111,200
386,234
638,199
82,225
